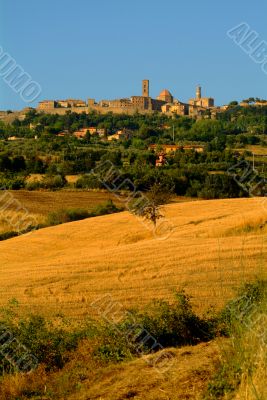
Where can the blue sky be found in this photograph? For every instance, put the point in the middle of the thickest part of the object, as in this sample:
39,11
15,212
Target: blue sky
103,49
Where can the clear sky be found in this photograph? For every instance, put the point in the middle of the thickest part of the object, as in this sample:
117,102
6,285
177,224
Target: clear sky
104,48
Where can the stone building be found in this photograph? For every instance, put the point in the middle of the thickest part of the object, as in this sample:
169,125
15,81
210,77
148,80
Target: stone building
69,103
165,96
143,104
199,101
177,108
46,105
195,108
145,88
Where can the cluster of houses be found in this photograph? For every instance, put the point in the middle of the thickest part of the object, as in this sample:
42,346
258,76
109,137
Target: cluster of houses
162,150
100,132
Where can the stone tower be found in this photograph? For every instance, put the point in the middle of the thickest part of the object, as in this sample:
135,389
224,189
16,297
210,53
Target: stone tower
198,93
145,88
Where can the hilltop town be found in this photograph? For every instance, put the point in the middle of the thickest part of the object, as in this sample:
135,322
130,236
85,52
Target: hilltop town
164,103
198,107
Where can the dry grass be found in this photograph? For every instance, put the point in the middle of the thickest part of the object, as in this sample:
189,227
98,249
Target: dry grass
12,386
36,205
65,268
184,377
18,220
253,357
245,225
258,150
43,202
38,177
253,382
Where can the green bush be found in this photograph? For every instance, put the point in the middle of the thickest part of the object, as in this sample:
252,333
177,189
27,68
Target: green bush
8,235
107,208
224,382
68,215
88,182
114,345
175,324
162,325
239,310
53,182
36,336
11,234
12,182
35,185
75,214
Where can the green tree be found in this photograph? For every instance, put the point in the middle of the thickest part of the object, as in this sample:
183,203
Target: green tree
149,206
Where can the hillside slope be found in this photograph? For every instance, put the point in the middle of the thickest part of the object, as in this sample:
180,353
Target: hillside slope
186,377
215,245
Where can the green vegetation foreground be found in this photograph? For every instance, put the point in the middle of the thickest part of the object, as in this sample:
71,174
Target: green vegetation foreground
65,370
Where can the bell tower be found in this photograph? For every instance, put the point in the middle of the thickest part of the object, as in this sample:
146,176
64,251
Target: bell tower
198,92
145,88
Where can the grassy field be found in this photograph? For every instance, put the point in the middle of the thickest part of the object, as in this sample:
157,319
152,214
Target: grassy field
260,153
38,204
15,204
113,262
214,247
42,202
38,177
256,149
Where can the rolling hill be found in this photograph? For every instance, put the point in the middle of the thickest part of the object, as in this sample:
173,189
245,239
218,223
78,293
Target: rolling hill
213,247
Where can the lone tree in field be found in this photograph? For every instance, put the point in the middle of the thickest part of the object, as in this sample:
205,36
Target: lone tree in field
149,205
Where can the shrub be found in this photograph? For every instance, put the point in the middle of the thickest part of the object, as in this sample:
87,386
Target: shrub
244,320
88,182
53,182
75,214
49,345
34,185
107,208
12,182
162,325
63,216
8,235
175,324
239,310
114,344
11,234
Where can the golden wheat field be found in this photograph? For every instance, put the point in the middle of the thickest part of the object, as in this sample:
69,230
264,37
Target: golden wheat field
212,248
42,202
38,204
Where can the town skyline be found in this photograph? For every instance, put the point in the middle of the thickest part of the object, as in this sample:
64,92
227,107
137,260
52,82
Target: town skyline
105,50
153,94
